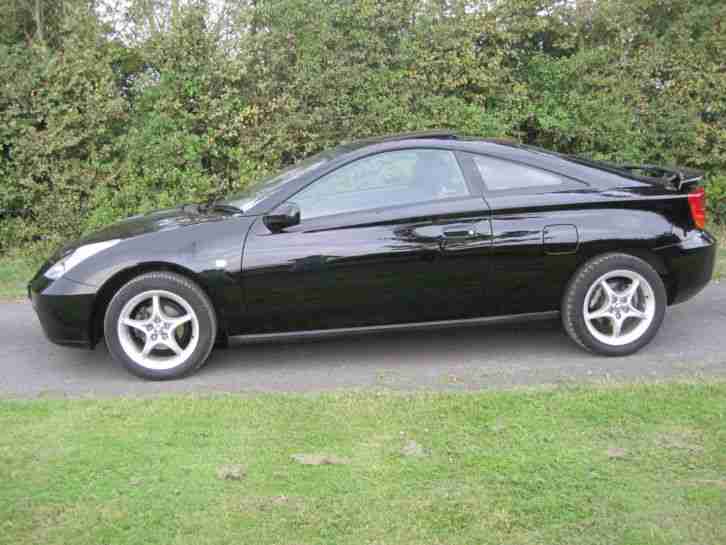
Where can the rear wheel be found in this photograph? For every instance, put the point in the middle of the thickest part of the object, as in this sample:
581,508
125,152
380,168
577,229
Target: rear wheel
614,305
160,326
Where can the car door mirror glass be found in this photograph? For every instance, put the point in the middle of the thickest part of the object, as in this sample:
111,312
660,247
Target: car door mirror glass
285,215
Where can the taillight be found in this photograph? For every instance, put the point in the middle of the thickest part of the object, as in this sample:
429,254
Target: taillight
697,202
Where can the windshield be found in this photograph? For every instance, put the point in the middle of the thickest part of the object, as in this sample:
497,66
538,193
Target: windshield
256,191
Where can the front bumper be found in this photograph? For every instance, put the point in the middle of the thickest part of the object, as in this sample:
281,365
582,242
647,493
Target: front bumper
690,265
64,308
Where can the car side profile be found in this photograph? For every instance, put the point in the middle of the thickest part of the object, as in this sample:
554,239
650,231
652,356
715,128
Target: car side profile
415,230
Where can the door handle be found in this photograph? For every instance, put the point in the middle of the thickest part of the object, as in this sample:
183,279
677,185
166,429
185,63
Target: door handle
460,232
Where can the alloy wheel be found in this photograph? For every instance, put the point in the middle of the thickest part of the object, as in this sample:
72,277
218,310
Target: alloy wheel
158,329
619,307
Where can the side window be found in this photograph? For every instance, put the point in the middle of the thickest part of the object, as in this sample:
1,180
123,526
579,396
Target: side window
501,175
386,179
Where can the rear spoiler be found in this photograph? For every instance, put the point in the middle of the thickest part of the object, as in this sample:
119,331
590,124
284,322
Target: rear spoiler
679,178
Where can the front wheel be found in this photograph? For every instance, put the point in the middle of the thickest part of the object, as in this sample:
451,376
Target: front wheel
160,326
614,305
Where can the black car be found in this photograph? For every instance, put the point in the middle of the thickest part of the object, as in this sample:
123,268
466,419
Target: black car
415,230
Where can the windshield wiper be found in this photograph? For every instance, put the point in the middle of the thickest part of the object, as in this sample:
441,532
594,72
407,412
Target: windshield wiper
217,205
228,208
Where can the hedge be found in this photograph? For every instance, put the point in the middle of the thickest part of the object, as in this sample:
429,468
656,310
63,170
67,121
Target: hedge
104,113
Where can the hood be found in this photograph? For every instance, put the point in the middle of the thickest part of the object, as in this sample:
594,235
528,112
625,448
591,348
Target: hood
160,220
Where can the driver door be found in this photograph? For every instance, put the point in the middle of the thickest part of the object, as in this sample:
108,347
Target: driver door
395,237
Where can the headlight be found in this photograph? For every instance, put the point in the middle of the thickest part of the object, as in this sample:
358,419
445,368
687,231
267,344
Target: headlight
76,256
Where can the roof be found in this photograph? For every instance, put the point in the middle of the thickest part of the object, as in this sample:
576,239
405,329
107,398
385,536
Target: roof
436,134
571,166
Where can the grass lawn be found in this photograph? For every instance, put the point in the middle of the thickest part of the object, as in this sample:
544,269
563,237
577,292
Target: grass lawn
720,232
591,465
15,271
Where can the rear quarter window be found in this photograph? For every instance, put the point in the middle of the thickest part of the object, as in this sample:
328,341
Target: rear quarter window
501,175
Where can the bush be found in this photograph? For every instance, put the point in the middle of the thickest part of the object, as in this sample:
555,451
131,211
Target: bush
100,121
716,199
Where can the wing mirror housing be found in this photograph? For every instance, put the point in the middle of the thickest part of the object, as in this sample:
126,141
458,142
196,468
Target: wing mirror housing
285,215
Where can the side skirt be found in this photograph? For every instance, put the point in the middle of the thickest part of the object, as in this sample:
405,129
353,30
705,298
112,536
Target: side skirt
415,326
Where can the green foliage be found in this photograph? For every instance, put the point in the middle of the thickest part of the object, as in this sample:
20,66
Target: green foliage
616,465
15,271
39,21
716,192
157,103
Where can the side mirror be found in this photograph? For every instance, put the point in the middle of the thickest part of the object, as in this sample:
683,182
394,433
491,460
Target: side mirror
285,215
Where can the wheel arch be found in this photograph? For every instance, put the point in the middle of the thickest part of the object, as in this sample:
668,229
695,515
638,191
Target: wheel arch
114,283
647,255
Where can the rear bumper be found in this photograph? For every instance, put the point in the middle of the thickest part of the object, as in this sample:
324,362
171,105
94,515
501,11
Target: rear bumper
690,265
64,308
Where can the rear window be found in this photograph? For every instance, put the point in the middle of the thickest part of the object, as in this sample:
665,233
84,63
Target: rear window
585,161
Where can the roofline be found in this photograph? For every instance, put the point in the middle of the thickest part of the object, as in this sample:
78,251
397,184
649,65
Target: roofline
434,134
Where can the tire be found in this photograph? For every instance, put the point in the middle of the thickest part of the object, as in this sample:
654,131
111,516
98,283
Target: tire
160,326
604,293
